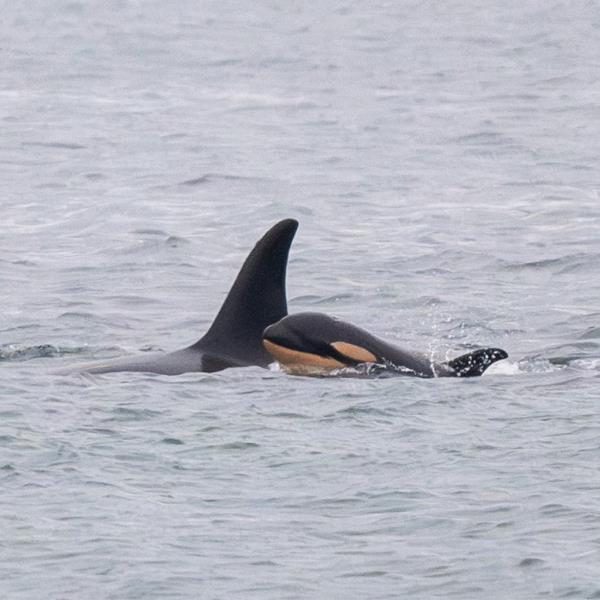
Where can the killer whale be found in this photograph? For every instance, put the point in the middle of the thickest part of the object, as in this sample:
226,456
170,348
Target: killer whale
256,299
315,343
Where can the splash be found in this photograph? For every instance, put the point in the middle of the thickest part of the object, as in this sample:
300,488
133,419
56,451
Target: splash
13,352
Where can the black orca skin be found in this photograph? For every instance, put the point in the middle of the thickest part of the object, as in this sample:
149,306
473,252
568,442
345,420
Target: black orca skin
256,299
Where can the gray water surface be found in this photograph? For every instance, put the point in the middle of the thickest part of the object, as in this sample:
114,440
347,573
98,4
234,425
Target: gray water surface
442,159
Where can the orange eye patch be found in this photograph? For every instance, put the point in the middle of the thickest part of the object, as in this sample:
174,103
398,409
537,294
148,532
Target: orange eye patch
354,352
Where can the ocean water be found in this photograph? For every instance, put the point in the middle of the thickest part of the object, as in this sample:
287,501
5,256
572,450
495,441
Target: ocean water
442,160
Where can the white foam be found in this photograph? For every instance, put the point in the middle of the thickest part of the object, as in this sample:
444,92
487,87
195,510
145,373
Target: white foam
503,367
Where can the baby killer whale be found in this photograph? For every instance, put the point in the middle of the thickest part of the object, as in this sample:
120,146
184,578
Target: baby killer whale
256,299
315,343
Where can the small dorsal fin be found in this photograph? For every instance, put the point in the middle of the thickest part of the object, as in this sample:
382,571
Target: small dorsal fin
256,299
475,363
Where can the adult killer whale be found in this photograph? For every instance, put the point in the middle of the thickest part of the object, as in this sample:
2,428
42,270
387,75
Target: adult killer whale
256,299
315,343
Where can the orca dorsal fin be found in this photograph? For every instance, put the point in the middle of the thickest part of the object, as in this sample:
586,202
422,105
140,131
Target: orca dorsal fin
475,363
256,299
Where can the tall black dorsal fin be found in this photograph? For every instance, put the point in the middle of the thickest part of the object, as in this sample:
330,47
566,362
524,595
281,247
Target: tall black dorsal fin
256,299
475,363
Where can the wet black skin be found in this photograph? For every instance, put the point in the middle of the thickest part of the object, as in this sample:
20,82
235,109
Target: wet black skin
314,333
